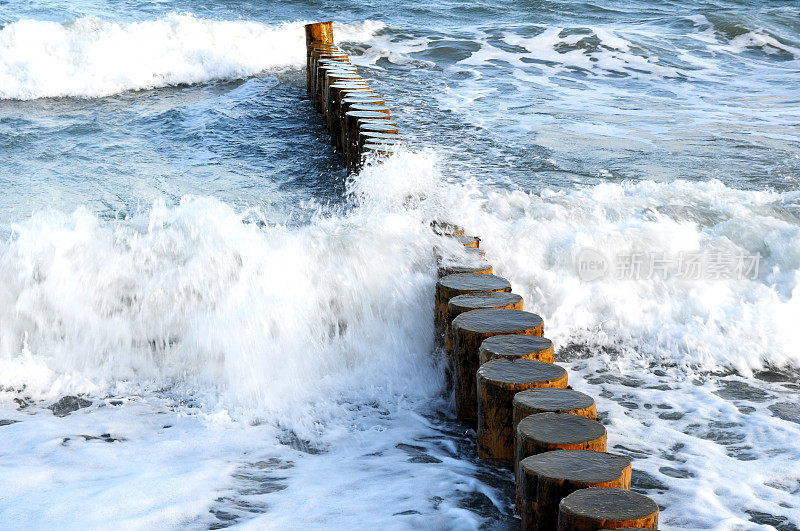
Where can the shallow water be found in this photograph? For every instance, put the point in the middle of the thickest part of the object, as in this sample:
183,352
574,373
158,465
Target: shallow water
182,247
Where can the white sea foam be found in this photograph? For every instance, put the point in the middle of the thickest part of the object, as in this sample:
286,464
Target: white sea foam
89,57
324,332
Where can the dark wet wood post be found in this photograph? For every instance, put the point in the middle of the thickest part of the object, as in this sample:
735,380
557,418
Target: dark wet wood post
337,78
318,33
547,478
483,268
545,432
475,301
325,68
322,56
350,128
470,329
338,92
535,401
461,284
517,347
498,380
594,508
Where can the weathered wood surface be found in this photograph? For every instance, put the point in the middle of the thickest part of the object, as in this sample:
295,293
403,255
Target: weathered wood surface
594,508
474,301
535,401
515,346
544,432
469,331
498,381
319,32
460,284
483,267
547,478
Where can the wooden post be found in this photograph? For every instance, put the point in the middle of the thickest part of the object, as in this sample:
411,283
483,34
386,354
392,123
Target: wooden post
547,478
332,77
348,99
596,508
320,33
336,94
366,138
317,53
350,128
378,126
460,284
469,331
545,432
568,401
517,347
475,301
498,381
484,268
380,149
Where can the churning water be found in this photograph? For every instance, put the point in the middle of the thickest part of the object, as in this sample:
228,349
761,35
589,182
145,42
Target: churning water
252,329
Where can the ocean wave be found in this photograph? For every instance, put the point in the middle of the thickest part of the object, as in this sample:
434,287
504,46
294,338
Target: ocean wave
90,57
276,318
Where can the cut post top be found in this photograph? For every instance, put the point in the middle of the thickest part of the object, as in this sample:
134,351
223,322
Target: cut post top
319,33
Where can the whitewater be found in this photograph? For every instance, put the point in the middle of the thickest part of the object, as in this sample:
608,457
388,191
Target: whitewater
253,327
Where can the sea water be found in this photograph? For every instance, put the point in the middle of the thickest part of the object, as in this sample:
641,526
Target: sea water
182,247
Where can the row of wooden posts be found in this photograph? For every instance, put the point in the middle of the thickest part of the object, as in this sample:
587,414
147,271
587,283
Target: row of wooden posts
507,386
357,117
505,382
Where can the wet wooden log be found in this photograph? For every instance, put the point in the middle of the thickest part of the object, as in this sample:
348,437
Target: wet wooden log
349,130
338,79
317,34
372,141
315,56
340,107
517,347
462,284
470,329
320,60
483,267
549,477
474,262
337,93
319,79
374,149
475,301
567,401
498,381
378,126
360,135
342,90
595,508
545,432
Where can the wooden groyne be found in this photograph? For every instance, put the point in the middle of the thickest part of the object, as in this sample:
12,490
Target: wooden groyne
356,117
505,382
